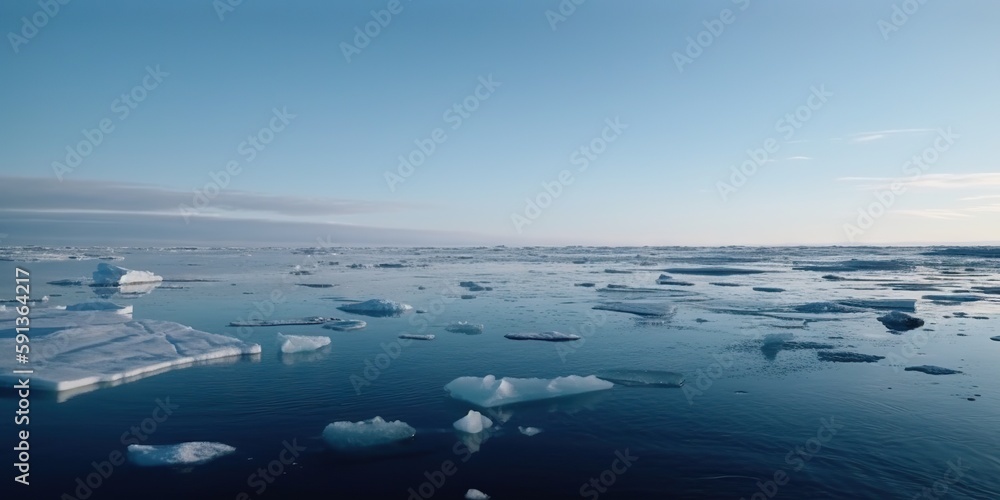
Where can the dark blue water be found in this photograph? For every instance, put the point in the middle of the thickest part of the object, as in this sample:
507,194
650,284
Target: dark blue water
749,417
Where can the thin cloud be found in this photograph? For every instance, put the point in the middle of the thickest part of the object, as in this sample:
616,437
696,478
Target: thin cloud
799,158
882,134
929,181
934,213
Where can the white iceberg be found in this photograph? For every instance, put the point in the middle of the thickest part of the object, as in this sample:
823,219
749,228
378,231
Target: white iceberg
474,494
488,391
177,454
472,423
101,306
367,433
301,343
544,336
376,307
465,327
529,431
111,275
87,348
344,325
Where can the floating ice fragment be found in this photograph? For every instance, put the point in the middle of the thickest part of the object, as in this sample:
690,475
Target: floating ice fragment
376,307
824,307
643,378
909,305
177,454
529,431
847,357
312,320
931,370
111,275
488,392
657,309
713,271
768,289
900,321
101,306
997,338
952,298
545,336
301,343
474,494
66,282
367,433
472,423
344,325
414,336
587,284
465,327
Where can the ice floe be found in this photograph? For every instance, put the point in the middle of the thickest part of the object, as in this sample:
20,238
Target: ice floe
768,289
465,327
111,275
825,307
101,306
857,265
656,309
908,305
301,343
931,370
66,282
177,454
312,320
529,431
367,433
344,325
997,338
847,357
643,378
81,349
414,336
474,494
376,307
472,286
544,336
900,321
472,423
488,391
952,298
713,271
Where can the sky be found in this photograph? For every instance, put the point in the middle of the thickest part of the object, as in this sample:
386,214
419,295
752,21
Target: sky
733,122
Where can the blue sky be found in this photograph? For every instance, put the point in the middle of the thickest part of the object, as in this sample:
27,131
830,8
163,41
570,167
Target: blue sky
891,87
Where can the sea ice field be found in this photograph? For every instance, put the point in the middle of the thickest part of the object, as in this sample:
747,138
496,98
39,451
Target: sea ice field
593,372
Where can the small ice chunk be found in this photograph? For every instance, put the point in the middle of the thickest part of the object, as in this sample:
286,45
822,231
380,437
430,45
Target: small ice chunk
768,289
900,321
415,336
488,391
545,336
931,370
101,306
472,423
465,327
474,494
344,325
586,284
529,431
376,307
192,453
847,357
301,343
367,433
111,275
66,282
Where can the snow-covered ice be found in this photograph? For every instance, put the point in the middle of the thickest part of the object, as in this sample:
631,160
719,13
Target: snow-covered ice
474,494
344,325
529,431
367,433
488,391
545,336
472,423
376,307
111,275
465,327
301,343
900,321
192,453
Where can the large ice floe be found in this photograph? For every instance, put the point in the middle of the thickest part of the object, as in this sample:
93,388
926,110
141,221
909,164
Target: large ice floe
75,349
488,391
900,321
472,423
301,343
367,433
376,307
111,275
544,336
176,454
